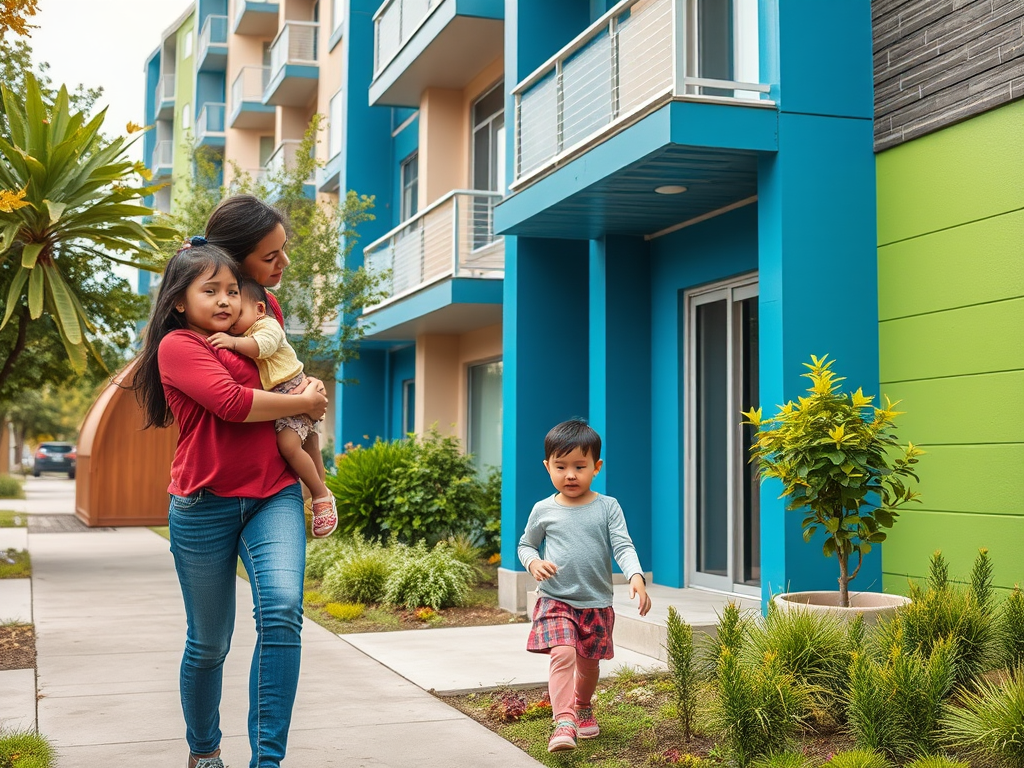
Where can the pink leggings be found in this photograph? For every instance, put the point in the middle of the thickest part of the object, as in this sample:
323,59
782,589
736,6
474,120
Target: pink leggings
572,681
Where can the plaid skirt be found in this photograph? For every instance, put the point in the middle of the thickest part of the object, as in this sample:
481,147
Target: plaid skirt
588,630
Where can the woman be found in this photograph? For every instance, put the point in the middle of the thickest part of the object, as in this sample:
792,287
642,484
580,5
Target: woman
232,495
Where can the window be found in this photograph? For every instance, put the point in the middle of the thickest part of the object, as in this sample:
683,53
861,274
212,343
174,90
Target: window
267,148
188,45
337,13
408,406
334,125
410,186
186,117
484,431
488,162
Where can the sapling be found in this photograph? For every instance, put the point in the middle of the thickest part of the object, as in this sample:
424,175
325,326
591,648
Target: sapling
682,668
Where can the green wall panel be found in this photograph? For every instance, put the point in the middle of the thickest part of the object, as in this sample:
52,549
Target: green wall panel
973,478
962,410
979,339
963,173
918,534
970,264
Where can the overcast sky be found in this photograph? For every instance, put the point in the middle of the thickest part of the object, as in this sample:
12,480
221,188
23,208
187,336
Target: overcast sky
104,43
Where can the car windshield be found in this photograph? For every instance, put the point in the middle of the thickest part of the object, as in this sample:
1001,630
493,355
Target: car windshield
54,448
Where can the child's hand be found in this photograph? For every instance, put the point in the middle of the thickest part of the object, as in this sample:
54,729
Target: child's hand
542,569
221,340
638,587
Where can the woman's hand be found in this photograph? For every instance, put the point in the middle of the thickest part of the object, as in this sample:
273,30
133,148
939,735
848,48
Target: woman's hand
315,398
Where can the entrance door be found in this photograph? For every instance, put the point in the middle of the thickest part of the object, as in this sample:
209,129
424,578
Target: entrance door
723,516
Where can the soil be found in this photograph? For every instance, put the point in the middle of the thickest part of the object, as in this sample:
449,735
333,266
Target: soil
17,647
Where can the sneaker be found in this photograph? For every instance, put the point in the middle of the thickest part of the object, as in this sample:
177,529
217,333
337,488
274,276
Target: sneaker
325,517
205,762
588,727
564,736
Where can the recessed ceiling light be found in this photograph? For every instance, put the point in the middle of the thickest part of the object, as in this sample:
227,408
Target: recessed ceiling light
670,189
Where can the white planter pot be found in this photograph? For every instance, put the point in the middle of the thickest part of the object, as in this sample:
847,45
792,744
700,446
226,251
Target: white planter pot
873,606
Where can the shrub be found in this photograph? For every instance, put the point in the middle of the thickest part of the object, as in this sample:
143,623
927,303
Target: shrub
948,610
361,572
894,703
25,749
681,667
314,597
759,708
345,611
729,636
1010,630
937,761
321,554
428,577
465,551
784,760
857,758
990,721
362,484
10,488
490,511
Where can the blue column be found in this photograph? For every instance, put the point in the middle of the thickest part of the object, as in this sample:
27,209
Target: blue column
359,413
620,378
816,241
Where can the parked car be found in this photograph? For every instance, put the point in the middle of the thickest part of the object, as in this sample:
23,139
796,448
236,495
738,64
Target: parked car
55,457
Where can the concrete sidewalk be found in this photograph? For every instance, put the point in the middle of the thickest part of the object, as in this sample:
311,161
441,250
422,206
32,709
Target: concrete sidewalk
110,629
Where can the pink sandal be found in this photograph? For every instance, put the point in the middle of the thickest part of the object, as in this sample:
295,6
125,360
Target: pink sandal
325,517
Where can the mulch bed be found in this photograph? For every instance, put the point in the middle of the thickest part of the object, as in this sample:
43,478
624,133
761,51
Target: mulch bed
17,647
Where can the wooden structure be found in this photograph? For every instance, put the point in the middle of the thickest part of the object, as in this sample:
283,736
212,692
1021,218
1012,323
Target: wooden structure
123,470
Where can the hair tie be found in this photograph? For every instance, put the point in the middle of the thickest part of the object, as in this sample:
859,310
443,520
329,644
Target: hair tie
197,240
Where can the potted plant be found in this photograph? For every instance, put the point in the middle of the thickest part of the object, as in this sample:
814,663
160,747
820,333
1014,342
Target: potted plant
840,464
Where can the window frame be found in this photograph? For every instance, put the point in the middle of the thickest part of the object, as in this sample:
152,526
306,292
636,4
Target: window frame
409,208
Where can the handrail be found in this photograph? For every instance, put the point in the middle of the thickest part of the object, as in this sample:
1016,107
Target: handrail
433,206
383,8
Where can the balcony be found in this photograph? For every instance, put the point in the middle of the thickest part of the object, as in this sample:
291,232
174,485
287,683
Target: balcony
213,44
255,17
247,107
165,97
450,240
294,72
281,160
636,58
423,43
163,159
210,126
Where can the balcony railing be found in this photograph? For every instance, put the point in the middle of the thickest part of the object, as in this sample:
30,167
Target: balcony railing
295,44
165,87
454,237
283,158
393,24
249,85
215,32
639,55
210,121
163,156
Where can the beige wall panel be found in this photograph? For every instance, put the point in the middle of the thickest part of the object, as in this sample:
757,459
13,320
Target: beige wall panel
444,155
479,346
437,378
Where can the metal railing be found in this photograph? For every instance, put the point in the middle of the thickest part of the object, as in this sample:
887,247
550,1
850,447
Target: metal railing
215,32
639,55
294,44
283,157
210,121
454,237
249,85
165,87
163,155
393,24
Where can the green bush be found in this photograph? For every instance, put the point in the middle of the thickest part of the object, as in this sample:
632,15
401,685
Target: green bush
428,577
321,554
729,634
759,708
895,701
857,758
937,761
362,484
10,488
361,572
490,511
345,611
785,760
25,749
989,721
1011,630
682,668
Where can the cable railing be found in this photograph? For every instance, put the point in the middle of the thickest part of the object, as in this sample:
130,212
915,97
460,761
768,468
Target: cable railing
249,85
454,237
294,44
639,55
165,87
214,32
393,24
210,121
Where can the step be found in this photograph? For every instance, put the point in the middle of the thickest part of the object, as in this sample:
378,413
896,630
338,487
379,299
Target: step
649,634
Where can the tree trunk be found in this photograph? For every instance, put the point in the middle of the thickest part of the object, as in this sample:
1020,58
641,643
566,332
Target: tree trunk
844,576
18,348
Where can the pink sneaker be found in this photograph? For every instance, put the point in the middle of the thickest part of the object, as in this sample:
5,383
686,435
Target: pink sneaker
325,517
588,727
564,737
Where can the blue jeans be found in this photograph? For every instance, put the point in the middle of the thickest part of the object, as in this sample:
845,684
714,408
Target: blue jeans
208,534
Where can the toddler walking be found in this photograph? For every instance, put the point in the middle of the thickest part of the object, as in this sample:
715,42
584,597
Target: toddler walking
580,531
262,338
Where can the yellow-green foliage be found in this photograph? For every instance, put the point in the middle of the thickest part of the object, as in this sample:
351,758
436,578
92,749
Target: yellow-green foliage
10,488
25,749
990,721
345,611
15,564
313,597
858,758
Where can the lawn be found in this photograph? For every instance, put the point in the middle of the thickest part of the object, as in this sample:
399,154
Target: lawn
9,519
15,564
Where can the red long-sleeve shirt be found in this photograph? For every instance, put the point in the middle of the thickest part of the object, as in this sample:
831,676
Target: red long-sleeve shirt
209,391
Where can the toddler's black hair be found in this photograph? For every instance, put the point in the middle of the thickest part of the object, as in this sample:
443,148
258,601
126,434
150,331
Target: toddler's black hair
252,290
569,435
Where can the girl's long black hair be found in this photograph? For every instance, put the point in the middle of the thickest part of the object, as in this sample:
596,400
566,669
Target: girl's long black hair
238,224
182,270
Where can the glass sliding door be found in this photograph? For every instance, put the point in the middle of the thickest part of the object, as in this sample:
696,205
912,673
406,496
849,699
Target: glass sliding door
484,431
722,502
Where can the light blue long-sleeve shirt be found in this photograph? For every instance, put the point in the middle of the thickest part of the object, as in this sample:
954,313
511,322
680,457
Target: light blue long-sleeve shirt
581,541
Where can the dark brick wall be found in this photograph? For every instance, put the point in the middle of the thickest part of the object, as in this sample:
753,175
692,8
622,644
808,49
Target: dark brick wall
940,61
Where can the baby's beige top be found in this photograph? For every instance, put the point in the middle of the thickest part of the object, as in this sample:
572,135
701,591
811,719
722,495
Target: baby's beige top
277,360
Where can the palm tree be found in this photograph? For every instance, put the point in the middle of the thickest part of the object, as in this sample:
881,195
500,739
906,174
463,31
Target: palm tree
66,193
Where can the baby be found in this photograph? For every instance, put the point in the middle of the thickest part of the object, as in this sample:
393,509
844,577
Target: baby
262,338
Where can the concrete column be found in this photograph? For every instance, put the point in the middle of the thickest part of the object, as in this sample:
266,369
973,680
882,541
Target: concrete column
438,375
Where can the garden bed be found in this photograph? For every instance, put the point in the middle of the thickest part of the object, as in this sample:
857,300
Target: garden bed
17,646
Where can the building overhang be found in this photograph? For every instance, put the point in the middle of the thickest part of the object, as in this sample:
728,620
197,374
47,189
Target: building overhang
453,306
255,18
252,114
293,85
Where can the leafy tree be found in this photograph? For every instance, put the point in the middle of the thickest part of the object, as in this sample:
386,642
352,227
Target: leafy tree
14,15
320,295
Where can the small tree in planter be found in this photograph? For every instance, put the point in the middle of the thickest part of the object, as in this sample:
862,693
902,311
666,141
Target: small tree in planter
838,460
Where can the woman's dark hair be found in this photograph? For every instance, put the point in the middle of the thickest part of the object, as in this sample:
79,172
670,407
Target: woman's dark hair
568,436
182,270
239,223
